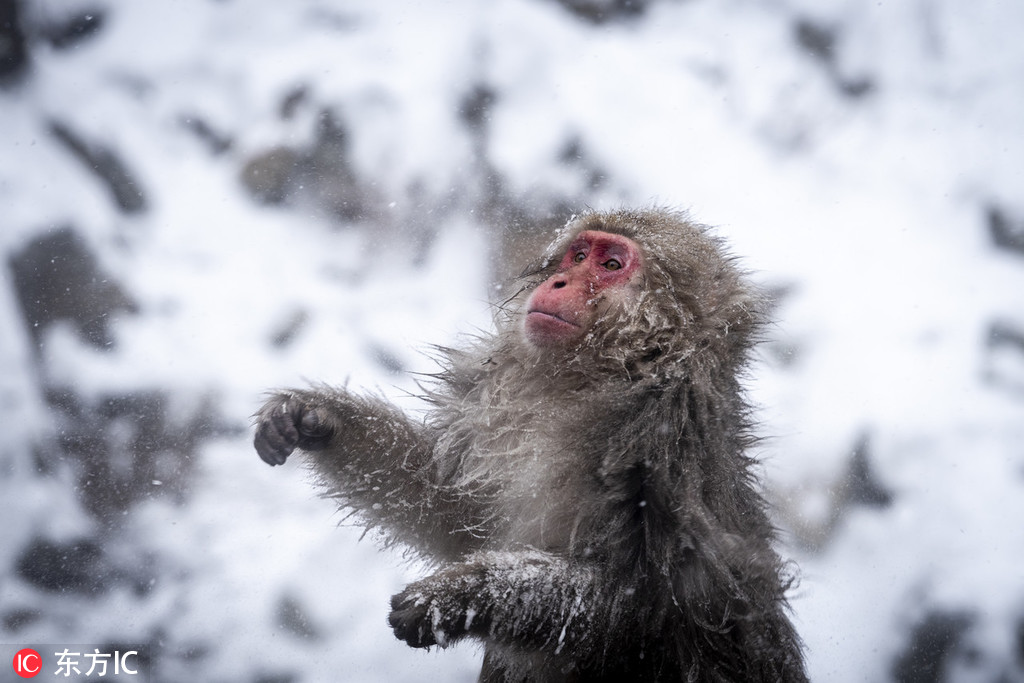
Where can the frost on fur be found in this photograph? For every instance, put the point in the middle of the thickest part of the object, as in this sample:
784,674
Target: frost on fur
585,495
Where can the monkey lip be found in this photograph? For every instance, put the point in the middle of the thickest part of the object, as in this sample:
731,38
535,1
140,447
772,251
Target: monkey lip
549,329
541,317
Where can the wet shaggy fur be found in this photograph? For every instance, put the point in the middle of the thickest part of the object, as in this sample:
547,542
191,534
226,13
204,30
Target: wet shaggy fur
591,510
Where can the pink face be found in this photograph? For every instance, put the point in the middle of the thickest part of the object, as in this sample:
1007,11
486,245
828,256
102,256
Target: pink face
563,308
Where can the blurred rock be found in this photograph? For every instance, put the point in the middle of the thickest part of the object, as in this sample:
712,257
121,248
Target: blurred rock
293,100
106,165
57,278
218,143
932,641
819,41
16,619
320,174
329,174
272,176
1019,644
960,645
1004,356
1006,228
816,40
290,329
277,678
386,359
815,512
73,567
69,32
13,46
862,486
603,11
856,87
292,617
85,566
125,448
476,106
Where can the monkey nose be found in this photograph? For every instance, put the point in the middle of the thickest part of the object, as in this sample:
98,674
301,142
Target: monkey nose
559,283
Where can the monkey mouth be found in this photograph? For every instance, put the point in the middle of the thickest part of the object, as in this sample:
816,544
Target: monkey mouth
545,317
545,329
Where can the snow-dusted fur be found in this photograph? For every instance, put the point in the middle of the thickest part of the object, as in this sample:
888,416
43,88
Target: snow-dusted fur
591,510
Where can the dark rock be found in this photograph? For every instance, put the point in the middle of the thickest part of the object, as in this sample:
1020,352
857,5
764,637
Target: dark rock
292,617
17,619
387,359
329,175
272,176
476,106
292,101
932,642
73,567
572,151
1004,356
1006,229
291,328
820,42
816,39
217,143
1019,643
125,448
603,11
13,46
862,485
855,88
320,174
57,278
1005,334
73,30
106,165
276,678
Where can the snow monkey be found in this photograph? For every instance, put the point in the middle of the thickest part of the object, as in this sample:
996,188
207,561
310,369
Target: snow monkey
581,481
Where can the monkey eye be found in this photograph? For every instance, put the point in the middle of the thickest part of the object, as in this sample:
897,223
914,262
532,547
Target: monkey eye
612,264
579,257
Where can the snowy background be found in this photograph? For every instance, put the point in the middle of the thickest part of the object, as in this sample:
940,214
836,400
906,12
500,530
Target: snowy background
202,199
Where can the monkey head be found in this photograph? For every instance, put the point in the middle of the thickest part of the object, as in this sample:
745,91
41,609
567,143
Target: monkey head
597,267
636,293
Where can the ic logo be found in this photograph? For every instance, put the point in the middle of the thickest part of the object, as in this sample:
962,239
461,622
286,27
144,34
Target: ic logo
27,663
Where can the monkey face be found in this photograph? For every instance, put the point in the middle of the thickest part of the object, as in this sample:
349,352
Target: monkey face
564,307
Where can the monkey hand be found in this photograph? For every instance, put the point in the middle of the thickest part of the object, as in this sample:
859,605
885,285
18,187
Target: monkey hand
286,422
440,609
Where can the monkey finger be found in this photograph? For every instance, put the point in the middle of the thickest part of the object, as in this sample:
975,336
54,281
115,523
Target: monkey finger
413,629
312,425
275,439
284,421
408,619
269,452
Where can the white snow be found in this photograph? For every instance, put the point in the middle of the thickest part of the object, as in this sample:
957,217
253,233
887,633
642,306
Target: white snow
870,210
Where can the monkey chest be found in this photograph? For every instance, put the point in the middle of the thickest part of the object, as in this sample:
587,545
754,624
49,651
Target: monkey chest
542,501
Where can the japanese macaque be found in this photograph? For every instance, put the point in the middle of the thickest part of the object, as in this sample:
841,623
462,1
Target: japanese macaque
581,482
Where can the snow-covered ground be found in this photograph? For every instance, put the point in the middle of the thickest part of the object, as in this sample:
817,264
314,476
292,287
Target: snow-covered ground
860,156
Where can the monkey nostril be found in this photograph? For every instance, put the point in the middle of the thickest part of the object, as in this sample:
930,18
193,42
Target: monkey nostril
558,285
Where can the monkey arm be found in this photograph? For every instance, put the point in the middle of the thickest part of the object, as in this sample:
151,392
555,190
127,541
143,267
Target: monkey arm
372,458
534,600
